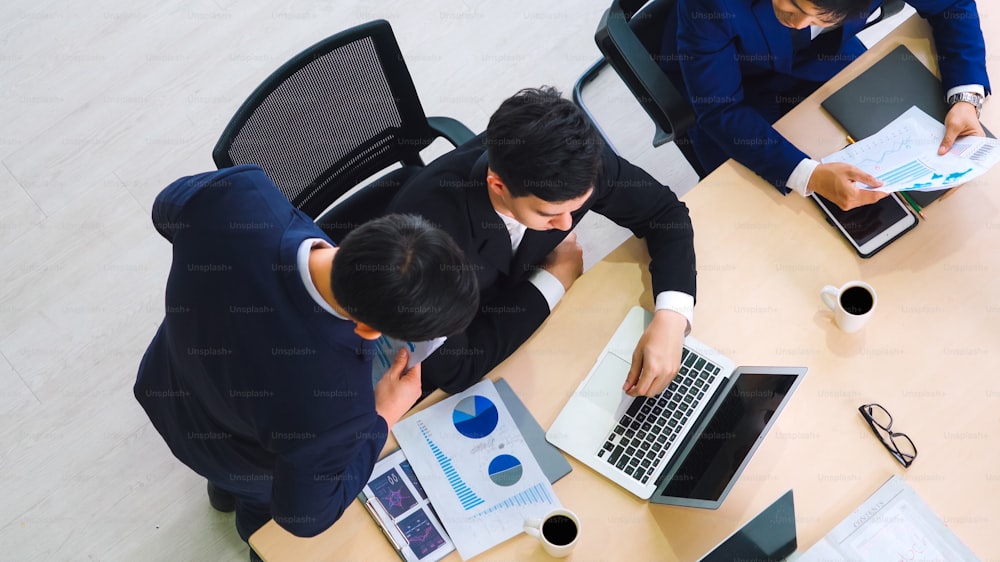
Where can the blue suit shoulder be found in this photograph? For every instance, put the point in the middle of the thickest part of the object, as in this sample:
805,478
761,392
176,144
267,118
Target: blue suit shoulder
171,202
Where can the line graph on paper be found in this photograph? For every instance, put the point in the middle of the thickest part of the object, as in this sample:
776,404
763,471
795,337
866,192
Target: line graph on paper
904,155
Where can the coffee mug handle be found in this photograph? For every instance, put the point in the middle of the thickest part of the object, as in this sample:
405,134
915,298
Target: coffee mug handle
531,527
829,296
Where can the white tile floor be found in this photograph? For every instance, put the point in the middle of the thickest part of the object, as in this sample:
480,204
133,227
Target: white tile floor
104,103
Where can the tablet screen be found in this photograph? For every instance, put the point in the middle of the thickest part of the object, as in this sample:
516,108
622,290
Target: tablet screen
865,223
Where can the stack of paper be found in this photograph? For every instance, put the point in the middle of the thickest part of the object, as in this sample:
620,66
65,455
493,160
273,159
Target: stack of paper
476,468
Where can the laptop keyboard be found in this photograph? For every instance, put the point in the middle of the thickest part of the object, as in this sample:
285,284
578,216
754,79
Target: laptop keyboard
648,429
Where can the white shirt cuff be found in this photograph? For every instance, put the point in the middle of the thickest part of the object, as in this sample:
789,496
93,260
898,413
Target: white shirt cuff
681,303
798,181
548,285
972,88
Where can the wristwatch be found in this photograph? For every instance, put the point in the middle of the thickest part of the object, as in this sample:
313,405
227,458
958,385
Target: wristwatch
970,97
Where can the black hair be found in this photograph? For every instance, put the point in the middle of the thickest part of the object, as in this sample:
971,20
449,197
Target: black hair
839,10
543,145
406,278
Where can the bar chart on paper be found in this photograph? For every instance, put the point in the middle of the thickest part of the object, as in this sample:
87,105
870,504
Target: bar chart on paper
903,155
476,468
537,494
466,496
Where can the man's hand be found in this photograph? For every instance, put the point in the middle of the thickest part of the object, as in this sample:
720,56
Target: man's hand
396,393
657,357
961,121
836,182
565,262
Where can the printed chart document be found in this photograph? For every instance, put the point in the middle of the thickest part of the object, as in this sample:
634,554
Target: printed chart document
892,524
399,504
386,349
904,155
476,467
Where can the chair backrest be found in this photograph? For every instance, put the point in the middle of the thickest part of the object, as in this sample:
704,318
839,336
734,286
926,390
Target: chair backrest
889,8
332,116
629,32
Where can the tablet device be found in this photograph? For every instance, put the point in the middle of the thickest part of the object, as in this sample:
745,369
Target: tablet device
870,228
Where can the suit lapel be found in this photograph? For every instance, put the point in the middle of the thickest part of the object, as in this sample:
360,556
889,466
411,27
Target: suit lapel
488,231
777,36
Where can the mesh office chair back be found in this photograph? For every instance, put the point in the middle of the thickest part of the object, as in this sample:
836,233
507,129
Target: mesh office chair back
331,117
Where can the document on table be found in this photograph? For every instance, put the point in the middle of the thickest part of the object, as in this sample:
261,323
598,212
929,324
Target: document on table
892,524
904,155
401,509
476,468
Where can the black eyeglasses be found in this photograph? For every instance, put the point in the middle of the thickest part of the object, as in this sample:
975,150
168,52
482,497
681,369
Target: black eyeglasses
899,444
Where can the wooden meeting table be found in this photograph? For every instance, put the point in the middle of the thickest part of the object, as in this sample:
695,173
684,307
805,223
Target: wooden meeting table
929,355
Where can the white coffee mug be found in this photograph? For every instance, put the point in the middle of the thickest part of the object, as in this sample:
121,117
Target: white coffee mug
558,530
852,304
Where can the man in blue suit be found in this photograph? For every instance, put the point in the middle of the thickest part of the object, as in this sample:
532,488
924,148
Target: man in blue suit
260,376
744,63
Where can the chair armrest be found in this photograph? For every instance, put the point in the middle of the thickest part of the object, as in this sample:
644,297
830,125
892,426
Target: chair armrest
888,9
451,129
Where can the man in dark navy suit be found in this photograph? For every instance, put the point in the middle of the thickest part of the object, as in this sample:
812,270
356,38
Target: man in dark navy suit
260,376
744,63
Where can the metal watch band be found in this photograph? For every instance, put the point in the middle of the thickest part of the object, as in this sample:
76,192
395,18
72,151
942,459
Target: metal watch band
970,97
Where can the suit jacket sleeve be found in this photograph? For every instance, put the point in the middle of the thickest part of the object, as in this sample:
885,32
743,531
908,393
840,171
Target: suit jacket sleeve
314,483
714,82
958,37
169,206
635,200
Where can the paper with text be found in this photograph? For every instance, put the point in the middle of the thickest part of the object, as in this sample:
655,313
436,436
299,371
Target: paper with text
892,524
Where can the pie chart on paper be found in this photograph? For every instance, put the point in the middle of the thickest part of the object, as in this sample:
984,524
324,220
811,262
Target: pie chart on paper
475,416
505,470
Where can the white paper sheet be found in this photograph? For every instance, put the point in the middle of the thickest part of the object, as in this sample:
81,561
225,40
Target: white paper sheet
386,349
904,155
892,524
477,469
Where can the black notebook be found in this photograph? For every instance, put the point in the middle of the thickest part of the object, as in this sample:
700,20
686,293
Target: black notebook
882,93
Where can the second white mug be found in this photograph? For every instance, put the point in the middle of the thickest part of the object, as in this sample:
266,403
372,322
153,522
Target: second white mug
558,530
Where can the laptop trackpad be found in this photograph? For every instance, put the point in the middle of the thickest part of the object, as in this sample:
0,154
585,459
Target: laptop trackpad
605,386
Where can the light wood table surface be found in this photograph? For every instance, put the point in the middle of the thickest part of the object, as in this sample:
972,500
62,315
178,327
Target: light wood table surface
929,355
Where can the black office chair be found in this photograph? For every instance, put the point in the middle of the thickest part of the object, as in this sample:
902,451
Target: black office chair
629,35
333,116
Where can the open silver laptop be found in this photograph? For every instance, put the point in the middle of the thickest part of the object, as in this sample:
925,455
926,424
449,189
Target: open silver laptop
686,446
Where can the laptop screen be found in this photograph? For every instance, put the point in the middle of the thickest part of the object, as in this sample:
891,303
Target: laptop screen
720,452
769,536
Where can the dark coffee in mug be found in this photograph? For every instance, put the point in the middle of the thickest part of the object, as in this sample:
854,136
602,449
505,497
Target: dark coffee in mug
559,530
857,301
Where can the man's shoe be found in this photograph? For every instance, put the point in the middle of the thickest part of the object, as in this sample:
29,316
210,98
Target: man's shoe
221,500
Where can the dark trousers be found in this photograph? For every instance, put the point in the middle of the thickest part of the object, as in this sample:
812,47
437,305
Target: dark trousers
253,509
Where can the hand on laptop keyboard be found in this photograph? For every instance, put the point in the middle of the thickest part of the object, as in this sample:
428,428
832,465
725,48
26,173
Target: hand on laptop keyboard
657,356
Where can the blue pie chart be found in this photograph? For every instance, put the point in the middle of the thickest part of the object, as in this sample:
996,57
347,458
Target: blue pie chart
475,416
505,470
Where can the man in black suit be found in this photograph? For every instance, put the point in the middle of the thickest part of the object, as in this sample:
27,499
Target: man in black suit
511,197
